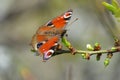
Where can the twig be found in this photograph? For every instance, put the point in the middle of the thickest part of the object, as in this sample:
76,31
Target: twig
116,49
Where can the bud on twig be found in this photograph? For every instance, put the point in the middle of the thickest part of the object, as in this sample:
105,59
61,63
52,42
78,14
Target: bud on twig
106,62
97,47
87,56
89,47
98,56
109,55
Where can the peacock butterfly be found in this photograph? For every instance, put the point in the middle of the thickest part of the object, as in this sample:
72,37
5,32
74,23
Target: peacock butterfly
46,38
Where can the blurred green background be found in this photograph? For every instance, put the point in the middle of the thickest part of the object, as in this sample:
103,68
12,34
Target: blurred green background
19,20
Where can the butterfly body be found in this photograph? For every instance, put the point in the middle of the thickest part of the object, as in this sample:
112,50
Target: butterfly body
47,36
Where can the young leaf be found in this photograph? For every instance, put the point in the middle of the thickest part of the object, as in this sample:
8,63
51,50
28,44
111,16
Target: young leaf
110,7
115,4
117,14
66,42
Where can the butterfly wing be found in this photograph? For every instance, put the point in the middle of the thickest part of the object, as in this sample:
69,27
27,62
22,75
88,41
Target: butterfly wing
56,26
60,21
48,31
48,48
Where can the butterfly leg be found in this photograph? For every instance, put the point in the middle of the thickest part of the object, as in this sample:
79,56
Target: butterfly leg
59,47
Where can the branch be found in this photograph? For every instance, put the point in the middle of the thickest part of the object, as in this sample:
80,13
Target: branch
92,50
112,50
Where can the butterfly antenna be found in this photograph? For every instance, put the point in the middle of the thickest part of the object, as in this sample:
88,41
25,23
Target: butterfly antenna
64,33
72,22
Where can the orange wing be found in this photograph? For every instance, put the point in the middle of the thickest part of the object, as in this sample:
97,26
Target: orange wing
48,47
60,21
49,44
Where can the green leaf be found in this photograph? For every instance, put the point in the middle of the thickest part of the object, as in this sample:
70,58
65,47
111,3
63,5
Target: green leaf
66,42
110,7
115,4
114,8
117,14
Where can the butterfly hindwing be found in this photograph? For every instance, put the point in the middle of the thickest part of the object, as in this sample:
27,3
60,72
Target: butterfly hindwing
48,48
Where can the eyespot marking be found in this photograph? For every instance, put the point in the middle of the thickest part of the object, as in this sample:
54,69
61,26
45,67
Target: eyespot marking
48,54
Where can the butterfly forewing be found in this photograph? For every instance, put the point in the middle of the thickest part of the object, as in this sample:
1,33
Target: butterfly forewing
60,21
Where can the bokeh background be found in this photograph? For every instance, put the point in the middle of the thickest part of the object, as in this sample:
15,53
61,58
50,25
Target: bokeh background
19,20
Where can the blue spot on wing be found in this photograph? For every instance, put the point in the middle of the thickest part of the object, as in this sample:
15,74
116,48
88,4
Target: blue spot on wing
49,23
39,44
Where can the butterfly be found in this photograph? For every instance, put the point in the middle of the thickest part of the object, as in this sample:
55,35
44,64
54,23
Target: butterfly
45,40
